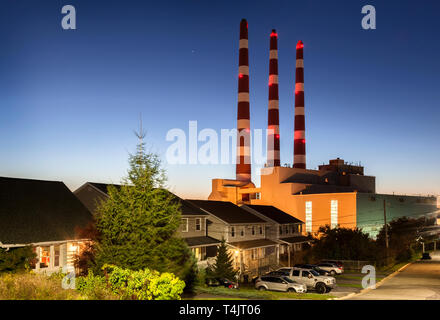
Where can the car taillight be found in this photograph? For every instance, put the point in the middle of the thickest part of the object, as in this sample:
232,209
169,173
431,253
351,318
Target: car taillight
230,286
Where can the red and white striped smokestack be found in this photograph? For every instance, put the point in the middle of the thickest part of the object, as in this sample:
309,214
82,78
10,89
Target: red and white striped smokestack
299,155
273,124
243,166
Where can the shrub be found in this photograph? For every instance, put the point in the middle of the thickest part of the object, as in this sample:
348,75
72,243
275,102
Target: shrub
143,284
16,259
94,287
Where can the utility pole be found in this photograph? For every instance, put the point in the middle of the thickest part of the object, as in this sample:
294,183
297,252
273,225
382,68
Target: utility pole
385,224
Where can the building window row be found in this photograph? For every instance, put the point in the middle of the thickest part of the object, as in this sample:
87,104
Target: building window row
255,230
185,224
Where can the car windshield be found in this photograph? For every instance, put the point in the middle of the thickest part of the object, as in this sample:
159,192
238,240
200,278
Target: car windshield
288,280
314,272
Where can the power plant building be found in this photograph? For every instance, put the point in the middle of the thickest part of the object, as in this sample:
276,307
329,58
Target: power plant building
337,194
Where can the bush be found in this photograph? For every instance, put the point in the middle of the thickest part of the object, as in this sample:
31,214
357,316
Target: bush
94,287
125,284
16,259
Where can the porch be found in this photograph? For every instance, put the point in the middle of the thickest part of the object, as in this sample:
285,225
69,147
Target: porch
254,257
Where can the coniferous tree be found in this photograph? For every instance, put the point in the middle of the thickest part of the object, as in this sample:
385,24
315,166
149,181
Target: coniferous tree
223,266
137,224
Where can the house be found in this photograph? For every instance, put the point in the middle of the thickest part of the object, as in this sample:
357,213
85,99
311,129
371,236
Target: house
92,193
193,228
45,215
245,233
283,228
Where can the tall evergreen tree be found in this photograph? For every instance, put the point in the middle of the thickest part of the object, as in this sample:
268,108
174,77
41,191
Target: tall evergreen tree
138,222
223,267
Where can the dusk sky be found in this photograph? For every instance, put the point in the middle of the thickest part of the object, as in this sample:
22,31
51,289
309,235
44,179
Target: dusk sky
71,99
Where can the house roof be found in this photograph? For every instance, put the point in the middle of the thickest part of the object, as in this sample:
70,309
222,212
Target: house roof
297,239
201,241
187,208
103,186
274,214
251,244
33,211
227,211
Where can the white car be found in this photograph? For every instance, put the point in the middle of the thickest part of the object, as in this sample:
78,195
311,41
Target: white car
279,284
332,268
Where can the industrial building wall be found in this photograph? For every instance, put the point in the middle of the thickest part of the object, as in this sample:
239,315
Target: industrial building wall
370,209
321,209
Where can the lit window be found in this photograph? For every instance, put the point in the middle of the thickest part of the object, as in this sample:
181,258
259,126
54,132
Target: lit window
334,214
185,225
198,224
308,216
44,257
232,232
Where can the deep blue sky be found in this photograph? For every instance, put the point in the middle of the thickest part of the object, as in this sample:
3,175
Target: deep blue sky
70,100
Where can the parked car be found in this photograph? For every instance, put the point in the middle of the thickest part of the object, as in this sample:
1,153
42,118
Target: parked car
313,267
222,282
311,279
271,273
279,283
338,263
426,256
332,268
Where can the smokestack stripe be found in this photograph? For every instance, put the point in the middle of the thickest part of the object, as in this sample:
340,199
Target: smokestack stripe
273,125
299,157
243,166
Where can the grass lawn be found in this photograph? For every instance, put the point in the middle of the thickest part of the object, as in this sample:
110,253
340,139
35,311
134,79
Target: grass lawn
250,293
352,277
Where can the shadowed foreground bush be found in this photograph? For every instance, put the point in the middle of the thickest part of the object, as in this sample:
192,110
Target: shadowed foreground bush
30,286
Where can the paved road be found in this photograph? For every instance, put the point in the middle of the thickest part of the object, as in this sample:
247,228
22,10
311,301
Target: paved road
418,281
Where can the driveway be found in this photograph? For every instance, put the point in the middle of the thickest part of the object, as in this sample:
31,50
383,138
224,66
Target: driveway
418,281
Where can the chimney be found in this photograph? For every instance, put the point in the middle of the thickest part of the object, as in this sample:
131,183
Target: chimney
273,122
243,167
299,154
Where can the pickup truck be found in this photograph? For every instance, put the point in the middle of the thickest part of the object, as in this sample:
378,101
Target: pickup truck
310,278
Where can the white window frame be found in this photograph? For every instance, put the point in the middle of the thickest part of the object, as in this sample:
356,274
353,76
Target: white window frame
242,232
198,224
253,231
185,225
309,214
334,208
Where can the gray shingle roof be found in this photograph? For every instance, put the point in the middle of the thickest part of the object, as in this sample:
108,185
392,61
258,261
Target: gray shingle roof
39,211
250,244
187,208
201,241
227,211
274,214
